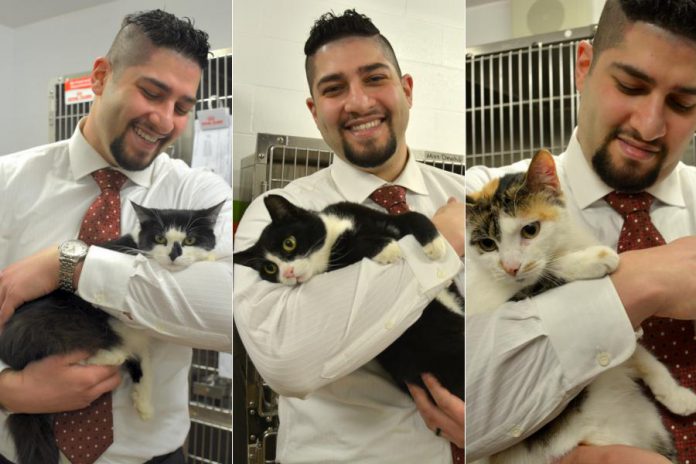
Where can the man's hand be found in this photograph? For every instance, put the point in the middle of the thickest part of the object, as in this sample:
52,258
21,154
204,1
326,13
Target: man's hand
447,414
659,281
449,221
26,280
612,454
56,384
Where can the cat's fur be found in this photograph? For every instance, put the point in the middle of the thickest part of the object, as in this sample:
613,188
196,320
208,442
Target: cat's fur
299,244
62,322
508,262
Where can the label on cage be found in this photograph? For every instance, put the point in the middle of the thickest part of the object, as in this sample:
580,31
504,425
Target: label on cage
217,118
78,90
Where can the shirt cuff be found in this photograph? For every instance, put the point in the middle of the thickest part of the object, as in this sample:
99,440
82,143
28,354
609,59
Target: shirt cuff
591,311
104,278
430,274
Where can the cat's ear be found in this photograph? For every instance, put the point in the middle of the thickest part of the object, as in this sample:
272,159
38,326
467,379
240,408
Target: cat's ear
144,214
213,212
279,208
542,175
246,257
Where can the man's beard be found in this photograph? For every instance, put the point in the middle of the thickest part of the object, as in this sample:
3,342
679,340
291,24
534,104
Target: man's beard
118,151
373,156
627,178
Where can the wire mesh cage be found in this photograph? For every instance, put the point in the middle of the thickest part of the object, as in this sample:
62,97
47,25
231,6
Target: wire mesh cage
210,395
277,161
521,97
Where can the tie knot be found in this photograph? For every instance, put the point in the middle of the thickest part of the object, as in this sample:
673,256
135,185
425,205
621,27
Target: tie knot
628,203
392,198
109,179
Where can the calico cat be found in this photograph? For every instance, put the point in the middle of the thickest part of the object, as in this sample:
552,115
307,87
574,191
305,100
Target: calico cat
521,241
299,244
61,322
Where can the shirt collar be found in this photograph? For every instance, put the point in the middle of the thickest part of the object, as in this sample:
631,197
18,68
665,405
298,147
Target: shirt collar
356,185
84,160
587,187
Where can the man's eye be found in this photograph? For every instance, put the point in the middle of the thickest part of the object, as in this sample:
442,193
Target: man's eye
629,89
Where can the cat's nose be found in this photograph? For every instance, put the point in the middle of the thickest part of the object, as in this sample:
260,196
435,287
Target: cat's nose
176,251
511,269
289,272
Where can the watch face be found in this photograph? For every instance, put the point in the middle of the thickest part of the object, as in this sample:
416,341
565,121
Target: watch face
74,248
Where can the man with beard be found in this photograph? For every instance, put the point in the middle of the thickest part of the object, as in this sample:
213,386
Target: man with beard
637,115
314,343
145,89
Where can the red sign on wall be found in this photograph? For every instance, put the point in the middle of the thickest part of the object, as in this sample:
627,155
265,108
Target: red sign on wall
78,90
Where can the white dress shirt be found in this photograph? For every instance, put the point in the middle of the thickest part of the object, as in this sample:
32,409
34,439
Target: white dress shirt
314,343
526,360
46,191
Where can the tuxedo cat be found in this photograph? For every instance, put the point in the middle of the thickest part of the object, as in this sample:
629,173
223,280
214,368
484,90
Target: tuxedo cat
521,241
61,322
299,244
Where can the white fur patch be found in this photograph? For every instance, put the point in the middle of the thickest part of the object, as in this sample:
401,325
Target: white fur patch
450,301
189,253
389,254
435,249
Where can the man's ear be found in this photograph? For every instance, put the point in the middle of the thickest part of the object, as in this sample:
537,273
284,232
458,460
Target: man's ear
407,85
583,63
101,70
312,108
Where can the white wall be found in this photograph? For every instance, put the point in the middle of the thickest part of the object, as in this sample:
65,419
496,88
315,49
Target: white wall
269,81
6,87
68,44
492,22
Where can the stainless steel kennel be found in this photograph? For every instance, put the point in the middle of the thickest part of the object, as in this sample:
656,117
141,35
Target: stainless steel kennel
521,96
210,396
278,160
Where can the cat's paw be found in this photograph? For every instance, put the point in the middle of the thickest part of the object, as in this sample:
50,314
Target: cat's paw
608,257
389,254
142,404
436,249
680,400
114,357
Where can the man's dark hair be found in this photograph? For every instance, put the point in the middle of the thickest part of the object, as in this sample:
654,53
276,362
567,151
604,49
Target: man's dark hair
330,27
675,16
144,31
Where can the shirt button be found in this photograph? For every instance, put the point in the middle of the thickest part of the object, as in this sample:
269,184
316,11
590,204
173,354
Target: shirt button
441,274
516,431
603,359
100,297
389,324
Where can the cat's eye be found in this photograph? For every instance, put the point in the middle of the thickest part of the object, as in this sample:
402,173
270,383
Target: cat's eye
189,240
270,268
487,244
160,239
531,230
289,244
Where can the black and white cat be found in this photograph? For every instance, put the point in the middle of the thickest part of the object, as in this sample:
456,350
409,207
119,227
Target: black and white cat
299,244
521,241
61,322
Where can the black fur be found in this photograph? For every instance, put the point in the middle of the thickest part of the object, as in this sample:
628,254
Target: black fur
434,343
61,322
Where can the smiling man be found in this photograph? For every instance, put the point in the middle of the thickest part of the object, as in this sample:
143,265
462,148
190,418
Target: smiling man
315,343
637,115
145,89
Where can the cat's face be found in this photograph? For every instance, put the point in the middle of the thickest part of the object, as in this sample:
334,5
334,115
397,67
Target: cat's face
177,238
513,224
287,251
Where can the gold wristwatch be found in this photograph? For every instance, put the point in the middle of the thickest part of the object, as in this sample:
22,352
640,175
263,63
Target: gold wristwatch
70,252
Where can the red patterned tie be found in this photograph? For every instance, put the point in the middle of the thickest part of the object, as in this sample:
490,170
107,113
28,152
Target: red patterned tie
392,198
670,340
85,434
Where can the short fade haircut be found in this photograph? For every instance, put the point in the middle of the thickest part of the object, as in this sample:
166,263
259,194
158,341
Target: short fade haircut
144,31
675,16
329,28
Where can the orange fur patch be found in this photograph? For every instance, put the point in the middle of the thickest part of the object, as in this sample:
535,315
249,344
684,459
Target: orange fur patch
487,191
540,209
